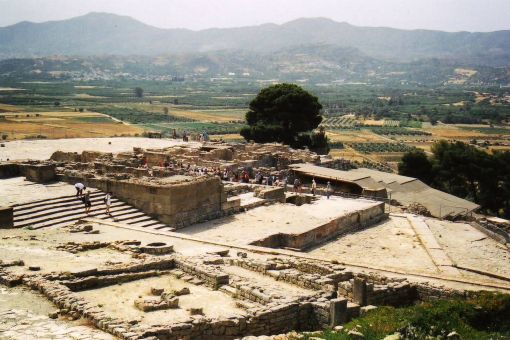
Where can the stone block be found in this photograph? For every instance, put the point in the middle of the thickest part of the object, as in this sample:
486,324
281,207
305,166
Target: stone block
338,312
359,291
6,218
40,173
8,170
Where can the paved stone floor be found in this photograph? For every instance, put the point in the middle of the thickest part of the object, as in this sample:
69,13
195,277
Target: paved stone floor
24,316
22,324
42,149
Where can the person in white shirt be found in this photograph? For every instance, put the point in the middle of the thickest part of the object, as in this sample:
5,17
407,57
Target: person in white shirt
79,189
108,202
328,189
314,186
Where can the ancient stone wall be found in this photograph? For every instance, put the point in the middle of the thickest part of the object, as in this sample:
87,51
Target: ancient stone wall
40,173
6,218
8,170
341,225
177,204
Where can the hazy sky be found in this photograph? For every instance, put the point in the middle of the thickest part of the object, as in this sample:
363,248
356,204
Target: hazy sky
448,15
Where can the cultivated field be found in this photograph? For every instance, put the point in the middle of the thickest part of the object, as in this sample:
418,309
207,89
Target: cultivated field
21,125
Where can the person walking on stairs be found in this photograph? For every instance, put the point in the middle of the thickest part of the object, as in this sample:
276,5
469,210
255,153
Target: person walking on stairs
87,202
108,202
79,189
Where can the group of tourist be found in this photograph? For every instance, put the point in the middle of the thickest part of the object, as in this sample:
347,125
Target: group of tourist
202,137
84,195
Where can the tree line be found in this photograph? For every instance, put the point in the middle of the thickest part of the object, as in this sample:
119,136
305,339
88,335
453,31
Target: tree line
464,171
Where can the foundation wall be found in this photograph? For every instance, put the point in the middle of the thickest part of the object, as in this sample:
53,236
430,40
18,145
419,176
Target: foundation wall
177,205
341,225
6,218
40,173
8,170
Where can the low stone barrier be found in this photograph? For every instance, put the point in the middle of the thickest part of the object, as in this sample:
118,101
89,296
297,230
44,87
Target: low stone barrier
40,173
212,277
9,170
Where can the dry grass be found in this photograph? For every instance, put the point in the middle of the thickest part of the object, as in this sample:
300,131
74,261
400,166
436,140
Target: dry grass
51,114
9,108
217,115
372,122
354,136
452,132
499,148
227,137
347,154
62,125
22,130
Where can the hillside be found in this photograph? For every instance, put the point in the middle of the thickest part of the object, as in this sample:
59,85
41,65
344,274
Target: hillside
303,63
101,33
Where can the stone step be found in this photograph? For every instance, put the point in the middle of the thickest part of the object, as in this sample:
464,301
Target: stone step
68,220
129,216
143,218
126,209
64,205
64,214
146,224
161,226
50,211
55,200
168,229
65,210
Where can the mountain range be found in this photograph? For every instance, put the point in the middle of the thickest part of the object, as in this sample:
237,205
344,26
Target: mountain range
109,34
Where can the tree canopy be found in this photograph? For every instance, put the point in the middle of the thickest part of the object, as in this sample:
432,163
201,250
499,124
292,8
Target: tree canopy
138,92
282,113
416,164
464,171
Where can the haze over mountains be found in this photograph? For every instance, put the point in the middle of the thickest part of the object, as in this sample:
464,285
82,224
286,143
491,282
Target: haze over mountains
109,34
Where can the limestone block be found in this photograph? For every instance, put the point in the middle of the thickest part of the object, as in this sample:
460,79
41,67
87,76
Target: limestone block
359,291
40,173
6,218
8,170
338,312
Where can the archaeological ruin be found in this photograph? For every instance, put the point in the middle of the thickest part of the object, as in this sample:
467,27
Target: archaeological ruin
227,240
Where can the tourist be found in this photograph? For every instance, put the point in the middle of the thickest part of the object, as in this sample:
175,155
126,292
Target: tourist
314,186
87,202
79,189
245,177
270,180
297,185
285,181
328,189
108,202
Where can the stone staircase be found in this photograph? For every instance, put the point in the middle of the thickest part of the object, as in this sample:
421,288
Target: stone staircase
65,210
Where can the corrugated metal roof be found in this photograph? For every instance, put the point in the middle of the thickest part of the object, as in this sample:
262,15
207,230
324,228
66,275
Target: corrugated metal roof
362,180
403,189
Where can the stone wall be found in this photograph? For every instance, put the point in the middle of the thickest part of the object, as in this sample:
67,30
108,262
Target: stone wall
8,170
341,225
213,277
177,204
40,173
6,218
